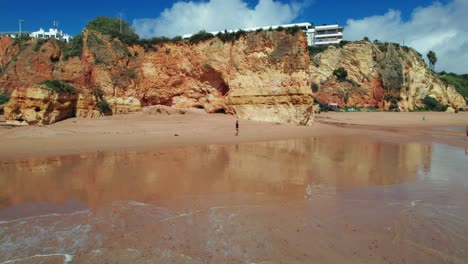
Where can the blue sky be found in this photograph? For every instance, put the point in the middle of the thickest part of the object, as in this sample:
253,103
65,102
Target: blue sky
73,15
422,24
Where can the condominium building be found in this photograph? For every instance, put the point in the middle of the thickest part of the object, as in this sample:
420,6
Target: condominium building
318,35
328,34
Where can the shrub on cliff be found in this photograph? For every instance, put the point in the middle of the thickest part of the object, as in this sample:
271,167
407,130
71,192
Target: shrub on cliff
115,28
4,97
38,44
148,44
74,48
293,30
433,105
343,43
314,50
200,36
314,87
341,74
22,41
104,107
231,36
59,86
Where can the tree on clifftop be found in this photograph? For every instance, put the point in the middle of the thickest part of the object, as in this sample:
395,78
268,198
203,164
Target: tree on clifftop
431,56
114,27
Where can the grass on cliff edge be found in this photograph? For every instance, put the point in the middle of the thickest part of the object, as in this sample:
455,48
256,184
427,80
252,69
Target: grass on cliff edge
59,86
459,81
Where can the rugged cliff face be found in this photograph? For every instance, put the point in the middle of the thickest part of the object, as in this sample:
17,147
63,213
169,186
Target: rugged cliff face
378,75
39,105
261,76
265,76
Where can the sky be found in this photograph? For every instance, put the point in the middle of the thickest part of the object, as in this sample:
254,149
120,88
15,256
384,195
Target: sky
425,25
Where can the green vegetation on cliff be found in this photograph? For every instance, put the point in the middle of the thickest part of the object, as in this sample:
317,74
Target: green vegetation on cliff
59,86
115,28
147,44
230,36
459,81
227,36
104,107
200,36
433,105
4,97
341,74
74,48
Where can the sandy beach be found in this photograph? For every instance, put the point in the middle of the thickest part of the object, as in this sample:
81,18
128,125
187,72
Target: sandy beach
141,131
184,188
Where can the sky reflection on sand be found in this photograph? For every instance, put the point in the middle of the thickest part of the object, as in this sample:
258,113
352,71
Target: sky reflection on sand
319,199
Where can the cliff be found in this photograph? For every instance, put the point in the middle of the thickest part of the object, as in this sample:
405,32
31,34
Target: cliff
261,76
264,76
380,75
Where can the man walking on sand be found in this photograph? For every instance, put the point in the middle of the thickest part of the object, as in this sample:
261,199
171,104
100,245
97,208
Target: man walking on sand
466,131
237,127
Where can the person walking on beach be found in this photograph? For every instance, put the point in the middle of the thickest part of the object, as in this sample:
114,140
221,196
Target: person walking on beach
237,127
466,132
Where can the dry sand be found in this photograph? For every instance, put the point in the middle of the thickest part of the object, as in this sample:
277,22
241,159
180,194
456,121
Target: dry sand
143,131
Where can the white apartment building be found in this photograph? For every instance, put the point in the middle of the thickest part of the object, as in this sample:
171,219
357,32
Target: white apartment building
319,35
328,34
52,33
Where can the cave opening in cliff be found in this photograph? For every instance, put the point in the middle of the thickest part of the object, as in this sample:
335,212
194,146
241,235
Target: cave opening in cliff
215,79
223,89
220,111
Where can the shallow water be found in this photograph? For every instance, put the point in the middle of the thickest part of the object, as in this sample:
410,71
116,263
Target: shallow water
323,200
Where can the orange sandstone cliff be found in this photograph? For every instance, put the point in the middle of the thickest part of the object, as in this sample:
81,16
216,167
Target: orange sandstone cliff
380,75
262,76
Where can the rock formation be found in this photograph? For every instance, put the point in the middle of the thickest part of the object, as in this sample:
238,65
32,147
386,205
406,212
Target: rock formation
379,75
265,76
261,76
39,105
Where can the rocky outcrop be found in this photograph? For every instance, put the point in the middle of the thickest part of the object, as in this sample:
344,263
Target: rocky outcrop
379,75
260,76
121,105
264,76
39,105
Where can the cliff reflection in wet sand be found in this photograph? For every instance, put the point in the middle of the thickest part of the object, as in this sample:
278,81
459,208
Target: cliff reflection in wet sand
280,167
327,200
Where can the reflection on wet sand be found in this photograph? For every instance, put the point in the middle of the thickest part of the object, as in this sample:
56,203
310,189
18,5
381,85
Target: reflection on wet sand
280,168
326,200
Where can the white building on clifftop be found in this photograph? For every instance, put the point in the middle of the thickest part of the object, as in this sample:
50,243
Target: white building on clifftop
327,34
316,36
52,33
41,33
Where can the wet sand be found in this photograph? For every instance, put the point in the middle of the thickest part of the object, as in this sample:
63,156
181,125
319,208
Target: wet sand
143,131
353,188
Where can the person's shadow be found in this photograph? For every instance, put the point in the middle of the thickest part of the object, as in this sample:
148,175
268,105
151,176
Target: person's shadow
237,133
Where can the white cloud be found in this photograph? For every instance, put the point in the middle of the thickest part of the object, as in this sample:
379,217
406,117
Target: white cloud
438,27
214,15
